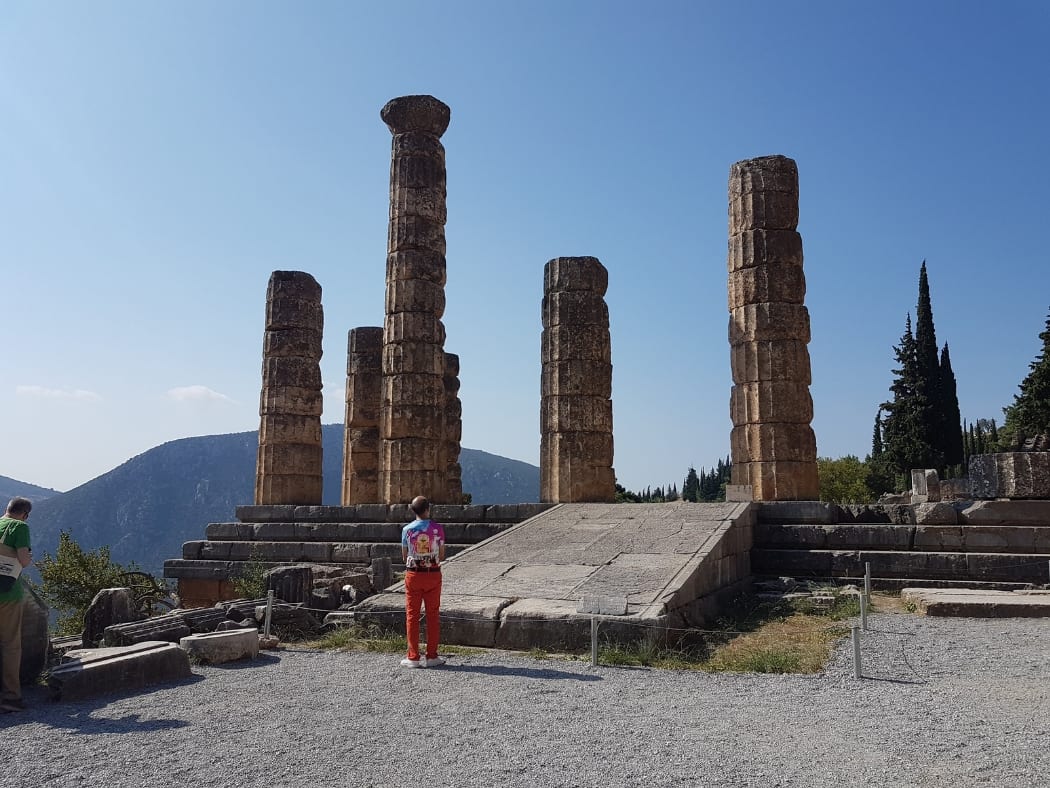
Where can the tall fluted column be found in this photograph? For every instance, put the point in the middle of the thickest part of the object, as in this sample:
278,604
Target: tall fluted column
412,412
576,438
288,468
453,429
364,384
773,446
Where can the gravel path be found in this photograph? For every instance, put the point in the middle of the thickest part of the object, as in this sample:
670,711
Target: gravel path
952,702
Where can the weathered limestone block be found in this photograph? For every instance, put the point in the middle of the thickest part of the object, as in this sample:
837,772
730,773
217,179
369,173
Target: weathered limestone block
1010,475
777,248
577,377
576,467
576,273
109,606
364,383
414,295
427,202
420,389
412,454
290,400
574,307
782,360
772,401
292,342
285,487
290,584
92,672
168,628
414,327
290,428
297,372
773,442
767,283
576,342
295,285
295,313
763,194
412,358
415,232
416,114
303,457
925,485
416,264
575,414
779,480
410,421
215,648
453,429
402,486
769,321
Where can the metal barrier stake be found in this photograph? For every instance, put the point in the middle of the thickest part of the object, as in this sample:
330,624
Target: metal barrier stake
594,641
269,612
867,578
864,612
855,634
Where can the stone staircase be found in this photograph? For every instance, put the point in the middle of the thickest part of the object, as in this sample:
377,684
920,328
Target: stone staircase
344,537
997,544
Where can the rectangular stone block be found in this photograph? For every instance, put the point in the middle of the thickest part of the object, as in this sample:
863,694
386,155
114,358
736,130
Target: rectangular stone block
566,342
294,313
575,414
779,360
797,513
412,421
425,201
264,514
763,211
293,284
764,174
123,669
576,467
360,486
291,400
414,327
415,389
766,284
774,401
417,166
413,295
288,488
578,377
575,308
297,342
351,553
1011,475
771,441
779,248
299,458
779,481
575,273
415,358
282,371
290,428
758,322
415,232
362,402
411,454
416,264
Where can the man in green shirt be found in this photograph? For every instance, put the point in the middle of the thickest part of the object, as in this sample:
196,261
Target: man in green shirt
14,543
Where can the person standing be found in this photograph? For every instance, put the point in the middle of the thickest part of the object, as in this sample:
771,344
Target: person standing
14,544
422,550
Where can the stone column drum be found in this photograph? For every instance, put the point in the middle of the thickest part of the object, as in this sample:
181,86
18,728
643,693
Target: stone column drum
576,440
288,469
412,410
364,383
772,444
453,430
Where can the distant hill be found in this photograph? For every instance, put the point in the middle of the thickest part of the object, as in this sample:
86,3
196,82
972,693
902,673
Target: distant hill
146,508
11,488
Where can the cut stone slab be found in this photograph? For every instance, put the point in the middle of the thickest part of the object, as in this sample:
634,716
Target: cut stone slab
218,647
91,672
975,603
1006,513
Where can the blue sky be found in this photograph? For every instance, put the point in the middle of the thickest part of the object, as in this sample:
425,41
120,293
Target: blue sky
159,160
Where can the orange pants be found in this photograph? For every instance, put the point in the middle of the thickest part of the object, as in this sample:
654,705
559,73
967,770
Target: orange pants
422,588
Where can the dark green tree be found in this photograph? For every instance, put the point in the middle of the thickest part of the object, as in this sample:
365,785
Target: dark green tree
691,486
904,429
1029,414
952,445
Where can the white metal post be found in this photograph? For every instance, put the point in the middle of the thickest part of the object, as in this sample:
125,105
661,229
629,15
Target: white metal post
867,578
594,641
855,633
864,612
269,612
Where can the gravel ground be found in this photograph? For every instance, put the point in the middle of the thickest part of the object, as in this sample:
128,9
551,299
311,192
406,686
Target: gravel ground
949,702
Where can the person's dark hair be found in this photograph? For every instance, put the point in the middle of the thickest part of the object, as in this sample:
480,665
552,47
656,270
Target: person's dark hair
19,505
419,505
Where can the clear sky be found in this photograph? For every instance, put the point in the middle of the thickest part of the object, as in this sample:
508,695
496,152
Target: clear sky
159,160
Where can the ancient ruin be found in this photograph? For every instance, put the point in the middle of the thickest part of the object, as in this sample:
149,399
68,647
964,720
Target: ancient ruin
576,437
773,447
288,470
453,429
412,412
364,384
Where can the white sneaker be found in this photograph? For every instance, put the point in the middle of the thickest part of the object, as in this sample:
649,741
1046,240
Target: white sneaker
434,662
413,663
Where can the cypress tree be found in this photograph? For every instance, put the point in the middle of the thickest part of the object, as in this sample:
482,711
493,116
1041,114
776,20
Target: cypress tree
952,445
1029,414
905,443
928,379
691,486
876,436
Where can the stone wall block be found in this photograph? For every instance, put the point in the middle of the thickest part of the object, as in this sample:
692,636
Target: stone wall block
582,342
401,486
414,295
575,414
577,377
292,400
362,400
424,201
365,341
784,360
289,371
288,488
415,232
769,321
764,174
575,273
416,264
772,401
290,428
292,285
294,313
418,389
763,211
407,326
302,458
411,167
574,307
411,421
773,442
779,481
767,283
777,248
416,358
417,143
411,454
298,342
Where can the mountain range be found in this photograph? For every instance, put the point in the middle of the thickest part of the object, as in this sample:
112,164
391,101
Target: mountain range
147,507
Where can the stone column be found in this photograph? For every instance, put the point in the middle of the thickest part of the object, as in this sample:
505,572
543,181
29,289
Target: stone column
412,411
364,383
288,469
453,429
773,446
576,440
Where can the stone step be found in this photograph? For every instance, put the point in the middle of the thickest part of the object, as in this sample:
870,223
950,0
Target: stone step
979,603
200,569
900,583
296,552
446,514
468,533
917,538
1006,567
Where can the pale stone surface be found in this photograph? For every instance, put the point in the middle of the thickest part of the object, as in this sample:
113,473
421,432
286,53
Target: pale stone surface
780,248
767,283
776,441
453,430
772,362
978,603
1011,475
218,647
1006,513
364,382
779,481
118,670
288,465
